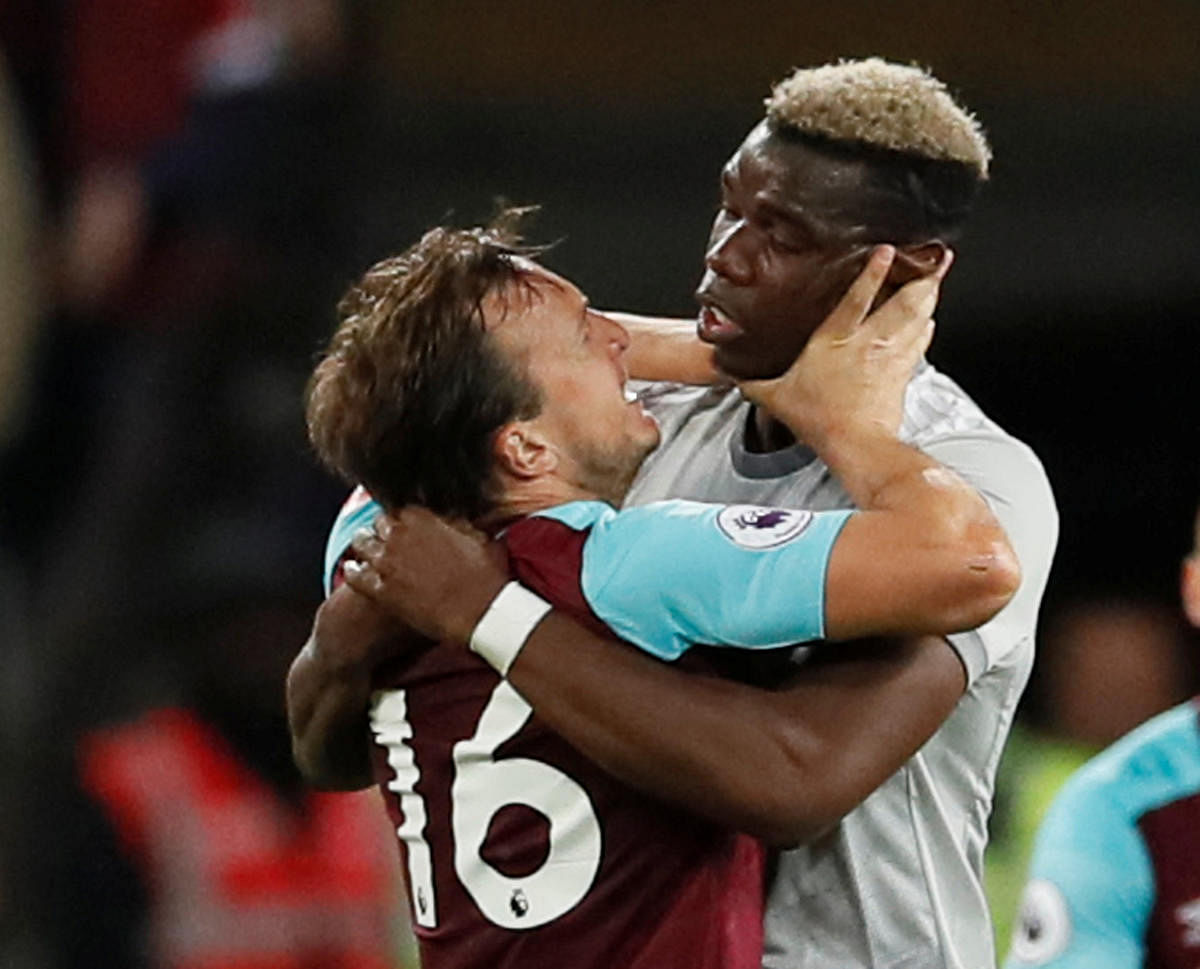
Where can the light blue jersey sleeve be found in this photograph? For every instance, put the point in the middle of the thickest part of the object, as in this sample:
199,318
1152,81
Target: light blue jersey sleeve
673,574
1092,885
1090,889
359,511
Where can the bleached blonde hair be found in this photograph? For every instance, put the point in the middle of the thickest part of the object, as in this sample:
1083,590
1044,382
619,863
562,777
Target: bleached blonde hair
882,104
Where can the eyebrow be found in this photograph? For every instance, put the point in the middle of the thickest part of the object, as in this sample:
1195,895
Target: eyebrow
822,231
778,209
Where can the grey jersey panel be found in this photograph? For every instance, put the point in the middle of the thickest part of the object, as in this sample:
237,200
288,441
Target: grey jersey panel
898,884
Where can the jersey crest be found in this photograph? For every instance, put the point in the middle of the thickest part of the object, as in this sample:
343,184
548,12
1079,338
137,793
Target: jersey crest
1043,924
753,526
1188,917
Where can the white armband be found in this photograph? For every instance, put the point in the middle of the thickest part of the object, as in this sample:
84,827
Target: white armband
500,634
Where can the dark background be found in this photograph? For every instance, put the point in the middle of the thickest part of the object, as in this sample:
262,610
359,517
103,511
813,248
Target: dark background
153,465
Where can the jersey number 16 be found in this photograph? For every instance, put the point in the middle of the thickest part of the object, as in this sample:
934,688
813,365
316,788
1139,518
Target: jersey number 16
483,785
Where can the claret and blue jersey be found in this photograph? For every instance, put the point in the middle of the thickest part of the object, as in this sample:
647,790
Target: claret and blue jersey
1115,877
517,850
673,574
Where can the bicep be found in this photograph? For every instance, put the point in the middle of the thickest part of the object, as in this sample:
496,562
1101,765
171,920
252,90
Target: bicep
882,578
675,574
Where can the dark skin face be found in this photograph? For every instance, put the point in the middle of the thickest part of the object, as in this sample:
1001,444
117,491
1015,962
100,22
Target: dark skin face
786,242
792,232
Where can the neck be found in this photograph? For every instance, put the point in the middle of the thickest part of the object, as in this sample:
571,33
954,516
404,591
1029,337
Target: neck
525,498
765,434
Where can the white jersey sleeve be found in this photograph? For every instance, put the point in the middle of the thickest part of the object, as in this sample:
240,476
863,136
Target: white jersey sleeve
1010,478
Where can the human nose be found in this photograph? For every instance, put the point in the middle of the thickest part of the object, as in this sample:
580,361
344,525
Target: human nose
615,336
728,251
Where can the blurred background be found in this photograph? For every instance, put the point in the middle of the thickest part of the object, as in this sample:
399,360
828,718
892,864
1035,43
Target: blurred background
186,186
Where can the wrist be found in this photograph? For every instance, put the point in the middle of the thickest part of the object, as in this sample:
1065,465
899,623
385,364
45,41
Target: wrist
843,442
505,626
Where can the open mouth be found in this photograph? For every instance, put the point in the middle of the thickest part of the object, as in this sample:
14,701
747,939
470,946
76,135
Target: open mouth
714,325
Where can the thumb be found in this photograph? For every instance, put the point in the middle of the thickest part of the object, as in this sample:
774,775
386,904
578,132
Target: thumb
759,392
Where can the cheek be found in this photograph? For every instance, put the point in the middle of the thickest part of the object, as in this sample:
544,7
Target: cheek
800,300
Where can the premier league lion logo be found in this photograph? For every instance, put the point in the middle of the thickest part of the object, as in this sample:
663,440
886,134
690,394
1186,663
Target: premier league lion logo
753,526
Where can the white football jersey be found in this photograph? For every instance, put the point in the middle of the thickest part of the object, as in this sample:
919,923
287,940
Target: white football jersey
898,884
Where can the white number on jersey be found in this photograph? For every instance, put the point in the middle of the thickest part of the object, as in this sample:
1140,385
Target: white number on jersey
482,786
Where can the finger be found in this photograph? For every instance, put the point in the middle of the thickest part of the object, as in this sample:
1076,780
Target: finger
854,306
383,527
758,391
366,544
907,310
911,307
362,578
926,337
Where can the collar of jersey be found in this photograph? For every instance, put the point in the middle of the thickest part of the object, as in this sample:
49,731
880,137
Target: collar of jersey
775,464
577,514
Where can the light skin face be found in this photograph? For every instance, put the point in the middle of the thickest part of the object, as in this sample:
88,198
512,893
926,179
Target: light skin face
590,437
785,243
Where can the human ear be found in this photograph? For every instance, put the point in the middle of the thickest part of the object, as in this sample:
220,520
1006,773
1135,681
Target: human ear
913,262
521,450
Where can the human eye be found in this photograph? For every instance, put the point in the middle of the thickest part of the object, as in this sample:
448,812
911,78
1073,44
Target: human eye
780,242
787,236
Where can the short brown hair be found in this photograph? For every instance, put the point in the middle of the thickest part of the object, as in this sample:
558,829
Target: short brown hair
411,390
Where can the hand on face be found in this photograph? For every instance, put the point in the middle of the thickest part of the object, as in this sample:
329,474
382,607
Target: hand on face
436,576
851,377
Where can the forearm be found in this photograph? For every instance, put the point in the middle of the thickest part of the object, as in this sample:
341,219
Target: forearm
327,716
329,690
780,764
667,350
882,473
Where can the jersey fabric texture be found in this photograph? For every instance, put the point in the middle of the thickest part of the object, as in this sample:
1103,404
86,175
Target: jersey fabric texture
519,852
898,884
1115,877
235,877
674,574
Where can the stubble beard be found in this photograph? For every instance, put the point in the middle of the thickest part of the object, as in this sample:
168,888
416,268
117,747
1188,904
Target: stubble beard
608,472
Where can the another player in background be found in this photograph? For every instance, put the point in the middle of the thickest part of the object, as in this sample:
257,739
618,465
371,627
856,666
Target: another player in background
1115,877
848,155
464,375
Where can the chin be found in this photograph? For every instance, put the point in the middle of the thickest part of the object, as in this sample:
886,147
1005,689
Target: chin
742,368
